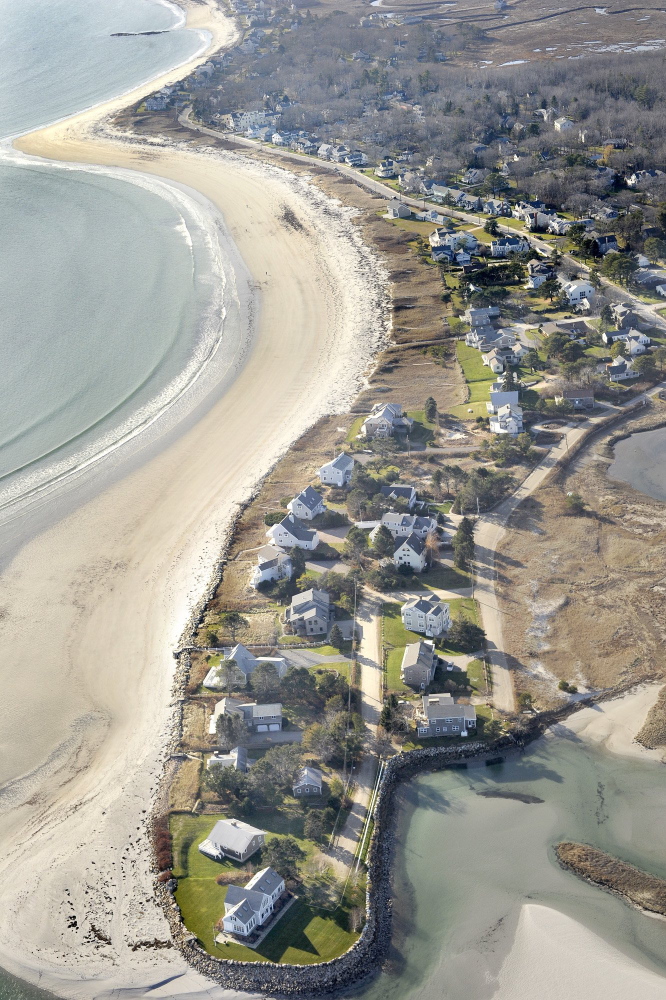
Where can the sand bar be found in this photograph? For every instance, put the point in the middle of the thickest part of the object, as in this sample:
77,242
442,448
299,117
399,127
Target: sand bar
614,724
112,583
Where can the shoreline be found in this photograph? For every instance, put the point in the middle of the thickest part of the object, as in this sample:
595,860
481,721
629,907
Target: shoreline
132,563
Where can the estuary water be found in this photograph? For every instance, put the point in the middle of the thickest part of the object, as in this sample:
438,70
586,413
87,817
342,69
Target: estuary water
640,461
468,863
113,286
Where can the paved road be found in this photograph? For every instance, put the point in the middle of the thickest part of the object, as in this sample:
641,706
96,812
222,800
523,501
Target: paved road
488,533
369,657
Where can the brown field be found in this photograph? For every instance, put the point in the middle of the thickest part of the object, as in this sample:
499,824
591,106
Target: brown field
584,598
653,733
641,888
530,30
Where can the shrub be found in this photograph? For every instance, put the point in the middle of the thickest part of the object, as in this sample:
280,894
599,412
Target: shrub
273,517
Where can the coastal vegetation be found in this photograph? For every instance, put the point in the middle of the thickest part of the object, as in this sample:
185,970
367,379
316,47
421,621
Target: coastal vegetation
638,887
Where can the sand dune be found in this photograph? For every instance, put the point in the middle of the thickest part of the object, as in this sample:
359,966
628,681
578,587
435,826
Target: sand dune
112,583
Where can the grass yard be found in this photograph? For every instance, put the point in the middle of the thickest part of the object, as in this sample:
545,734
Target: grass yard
355,429
395,636
304,935
423,430
478,376
439,577
341,668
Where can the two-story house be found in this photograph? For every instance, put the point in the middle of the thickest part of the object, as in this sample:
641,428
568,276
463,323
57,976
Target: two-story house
272,564
307,504
427,615
338,472
419,663
403,525
291,533
385,420
247,908
310,613
411,551
441,716
507,420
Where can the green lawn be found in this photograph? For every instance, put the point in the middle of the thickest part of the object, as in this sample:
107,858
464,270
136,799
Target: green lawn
303,936
354,429
395,636
478,376
439,577
423,430
342,667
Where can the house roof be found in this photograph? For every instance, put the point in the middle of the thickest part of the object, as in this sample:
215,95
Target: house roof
418,654
412,542
263,711
233,835
296,528
438,706
395,491
309,597
242,909
577,392
245,660
308,776
426,605
341,461
309,498
266,881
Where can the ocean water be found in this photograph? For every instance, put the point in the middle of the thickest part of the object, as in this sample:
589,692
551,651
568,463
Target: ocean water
640,460
466,864
117,292
114,288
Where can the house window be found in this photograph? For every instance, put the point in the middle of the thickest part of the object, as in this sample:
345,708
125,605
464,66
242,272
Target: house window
437,730
455,729
423,732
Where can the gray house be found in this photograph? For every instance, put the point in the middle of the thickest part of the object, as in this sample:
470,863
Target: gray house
397,492
308,781
419,662
310,613
232,838
440,716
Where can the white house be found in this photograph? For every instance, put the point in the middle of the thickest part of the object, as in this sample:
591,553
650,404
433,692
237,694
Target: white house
307,504
507,420
643,177
620,369
506,245
576,291
562,124
403,525
398,210
272,564
248,908
308,781
338,472
385,420
537,273
499,397
245,662
232,838
386,169
661,290
427,615
410,551
236,758
291,533
453,240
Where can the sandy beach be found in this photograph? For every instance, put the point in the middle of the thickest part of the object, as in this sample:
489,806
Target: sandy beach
114,581
614,724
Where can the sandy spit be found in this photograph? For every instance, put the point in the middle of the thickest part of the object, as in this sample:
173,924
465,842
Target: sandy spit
615,724
554,956
112,583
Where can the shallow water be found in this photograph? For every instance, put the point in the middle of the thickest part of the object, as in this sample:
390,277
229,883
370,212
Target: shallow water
640,460
467,863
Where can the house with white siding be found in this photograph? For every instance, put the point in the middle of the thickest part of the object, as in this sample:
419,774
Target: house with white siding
337,472
232,838
507,420
307,504
272,564
427,615
291,533
247,908
410,551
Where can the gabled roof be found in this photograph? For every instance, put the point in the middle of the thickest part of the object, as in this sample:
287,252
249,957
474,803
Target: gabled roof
418,654
271,709
396,491
426,605
308,776
341,461
412,542
233,835
296,528
309,498
266,880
